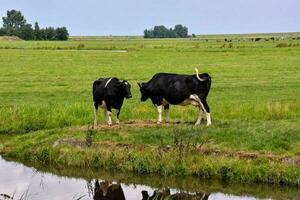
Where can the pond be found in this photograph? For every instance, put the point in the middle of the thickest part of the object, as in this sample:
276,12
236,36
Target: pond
24,181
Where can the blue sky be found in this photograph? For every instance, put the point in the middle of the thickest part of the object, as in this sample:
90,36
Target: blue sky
131,17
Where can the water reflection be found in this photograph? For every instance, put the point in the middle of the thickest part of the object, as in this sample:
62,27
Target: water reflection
113,191
166,194
18,180
108,191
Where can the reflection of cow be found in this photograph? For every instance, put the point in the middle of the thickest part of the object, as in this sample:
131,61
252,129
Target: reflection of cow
165,194
105,191
6,196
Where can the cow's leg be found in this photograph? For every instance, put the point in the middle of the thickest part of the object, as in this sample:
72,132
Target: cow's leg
195,100
199,116
159,110
167,107
105,115
205,108
109,122
95,114
118,119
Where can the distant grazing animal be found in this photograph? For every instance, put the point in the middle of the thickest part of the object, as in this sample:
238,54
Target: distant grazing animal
164,89
109,93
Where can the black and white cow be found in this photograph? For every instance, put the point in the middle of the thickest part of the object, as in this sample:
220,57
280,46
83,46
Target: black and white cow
164,89
109,93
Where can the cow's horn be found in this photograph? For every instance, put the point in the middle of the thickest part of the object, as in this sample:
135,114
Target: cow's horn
197,74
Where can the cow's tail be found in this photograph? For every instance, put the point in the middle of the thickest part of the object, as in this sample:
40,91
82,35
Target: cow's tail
198,77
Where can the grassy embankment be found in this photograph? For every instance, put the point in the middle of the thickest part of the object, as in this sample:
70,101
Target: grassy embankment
255,137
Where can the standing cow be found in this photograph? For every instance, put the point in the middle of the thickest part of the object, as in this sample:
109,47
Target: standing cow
164,89
109,93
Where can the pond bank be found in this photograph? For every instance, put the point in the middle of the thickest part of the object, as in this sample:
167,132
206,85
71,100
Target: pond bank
151,150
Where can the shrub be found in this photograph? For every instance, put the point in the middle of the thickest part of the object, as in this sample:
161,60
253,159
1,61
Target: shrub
257,39
80,46
282,44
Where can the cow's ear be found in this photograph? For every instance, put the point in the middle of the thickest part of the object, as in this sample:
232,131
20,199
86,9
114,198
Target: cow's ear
140,85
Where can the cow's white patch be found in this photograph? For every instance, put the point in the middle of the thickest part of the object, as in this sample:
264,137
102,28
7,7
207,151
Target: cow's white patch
197,74
109,122
103,105
107,82
208,119
193,100
159,110
199,117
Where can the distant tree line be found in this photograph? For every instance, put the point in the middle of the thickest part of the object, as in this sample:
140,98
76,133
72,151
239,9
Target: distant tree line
15,24
179,31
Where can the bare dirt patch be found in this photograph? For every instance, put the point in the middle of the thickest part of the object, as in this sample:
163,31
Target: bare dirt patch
9,38
126,124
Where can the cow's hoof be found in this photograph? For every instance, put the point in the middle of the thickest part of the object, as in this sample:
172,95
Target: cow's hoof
117,122
158,123
207,125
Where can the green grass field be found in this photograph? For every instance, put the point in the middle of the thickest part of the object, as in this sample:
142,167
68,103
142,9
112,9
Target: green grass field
254,99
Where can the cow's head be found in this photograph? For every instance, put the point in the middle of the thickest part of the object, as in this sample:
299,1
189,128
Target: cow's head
144,93
127,89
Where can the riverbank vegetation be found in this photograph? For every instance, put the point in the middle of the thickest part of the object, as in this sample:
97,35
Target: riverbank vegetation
46,106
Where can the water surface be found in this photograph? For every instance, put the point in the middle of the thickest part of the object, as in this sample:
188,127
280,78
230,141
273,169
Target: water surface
40,182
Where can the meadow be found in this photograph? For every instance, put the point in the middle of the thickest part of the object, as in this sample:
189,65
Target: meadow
45,99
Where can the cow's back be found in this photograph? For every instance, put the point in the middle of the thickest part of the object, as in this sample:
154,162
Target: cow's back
172,87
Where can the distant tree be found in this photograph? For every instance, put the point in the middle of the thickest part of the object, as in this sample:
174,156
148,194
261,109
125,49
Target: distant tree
15,24
37,31
26,32
172,33
61,33
2,32
148,33
181,31
49,33
14,19
162,32
43,34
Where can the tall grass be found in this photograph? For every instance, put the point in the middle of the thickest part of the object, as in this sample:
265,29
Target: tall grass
26,118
